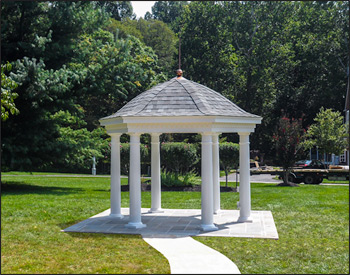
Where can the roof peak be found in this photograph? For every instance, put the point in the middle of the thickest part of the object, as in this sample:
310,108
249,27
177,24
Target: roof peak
180,97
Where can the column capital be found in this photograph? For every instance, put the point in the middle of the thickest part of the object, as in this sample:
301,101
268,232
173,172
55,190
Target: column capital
155,138
134,134
244,133
116,135
207,133
207,138
215,137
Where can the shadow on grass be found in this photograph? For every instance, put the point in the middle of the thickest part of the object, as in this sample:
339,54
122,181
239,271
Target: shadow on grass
85,235
20,188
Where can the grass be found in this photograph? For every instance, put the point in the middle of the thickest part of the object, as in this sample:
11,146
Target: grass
312,222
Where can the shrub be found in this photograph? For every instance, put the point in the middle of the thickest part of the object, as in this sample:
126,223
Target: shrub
178,157
171,179
229,156
125,157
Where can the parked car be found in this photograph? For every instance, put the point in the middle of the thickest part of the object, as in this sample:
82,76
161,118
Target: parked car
310,164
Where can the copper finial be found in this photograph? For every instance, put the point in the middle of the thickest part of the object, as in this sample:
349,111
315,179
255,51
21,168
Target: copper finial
179,73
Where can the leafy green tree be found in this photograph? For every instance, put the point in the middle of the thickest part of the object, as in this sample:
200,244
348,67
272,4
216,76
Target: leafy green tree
169,12
229,157
270,58
153,33
114,72
162,40
46,30
328,132
119,10
29,138
76,144
7,95
288,140
122,29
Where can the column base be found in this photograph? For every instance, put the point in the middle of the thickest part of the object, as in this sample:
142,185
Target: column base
217,211
158,210
117,216
135,225
208,227
245,219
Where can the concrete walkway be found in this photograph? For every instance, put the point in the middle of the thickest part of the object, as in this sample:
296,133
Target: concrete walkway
169,233
188,256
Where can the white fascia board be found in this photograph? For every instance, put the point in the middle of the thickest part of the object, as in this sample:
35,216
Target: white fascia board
188,124
193,119
232,128
110,121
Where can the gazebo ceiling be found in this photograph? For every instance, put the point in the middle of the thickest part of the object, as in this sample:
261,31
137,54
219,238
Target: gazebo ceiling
180,105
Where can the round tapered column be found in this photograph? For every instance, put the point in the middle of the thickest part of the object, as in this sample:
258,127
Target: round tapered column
115,177
207,183
244,176
135,183
155,175
216,173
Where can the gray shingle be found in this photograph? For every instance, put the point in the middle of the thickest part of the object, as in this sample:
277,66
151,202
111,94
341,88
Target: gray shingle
180,97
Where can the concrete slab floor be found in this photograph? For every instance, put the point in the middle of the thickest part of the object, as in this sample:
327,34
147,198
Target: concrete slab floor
181,223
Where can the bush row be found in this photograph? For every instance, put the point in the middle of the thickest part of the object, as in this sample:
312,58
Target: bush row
177,157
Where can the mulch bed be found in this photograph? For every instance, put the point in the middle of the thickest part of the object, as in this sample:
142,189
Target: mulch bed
196,188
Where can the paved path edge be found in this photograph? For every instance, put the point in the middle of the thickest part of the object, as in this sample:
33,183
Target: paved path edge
188,256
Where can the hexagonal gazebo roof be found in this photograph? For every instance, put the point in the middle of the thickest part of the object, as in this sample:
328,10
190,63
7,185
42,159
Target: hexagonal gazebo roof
180,106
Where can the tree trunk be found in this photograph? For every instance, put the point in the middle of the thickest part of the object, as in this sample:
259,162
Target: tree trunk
226,173
285,182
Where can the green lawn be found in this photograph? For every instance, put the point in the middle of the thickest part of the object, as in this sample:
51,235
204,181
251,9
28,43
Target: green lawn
312,222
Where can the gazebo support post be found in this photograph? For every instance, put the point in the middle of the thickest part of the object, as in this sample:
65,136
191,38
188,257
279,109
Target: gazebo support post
155,175
216,173
135,183
207,183
244,182
115,177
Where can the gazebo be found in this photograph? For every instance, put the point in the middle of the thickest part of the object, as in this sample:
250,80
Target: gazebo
179,106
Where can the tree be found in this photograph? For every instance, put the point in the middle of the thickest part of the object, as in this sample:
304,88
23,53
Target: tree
153,33
7,95
169,12
119,10
114,72
22,24
229,157
162,40
328,132
29,138
288,140
270,58
46,30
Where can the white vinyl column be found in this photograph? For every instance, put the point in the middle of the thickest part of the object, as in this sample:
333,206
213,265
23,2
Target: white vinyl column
244,178
155,175
207,183
115,177
216,173
135,183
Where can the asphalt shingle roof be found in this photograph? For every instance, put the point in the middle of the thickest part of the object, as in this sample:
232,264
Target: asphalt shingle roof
180,97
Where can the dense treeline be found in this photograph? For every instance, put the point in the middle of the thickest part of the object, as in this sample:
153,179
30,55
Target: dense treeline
72,63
